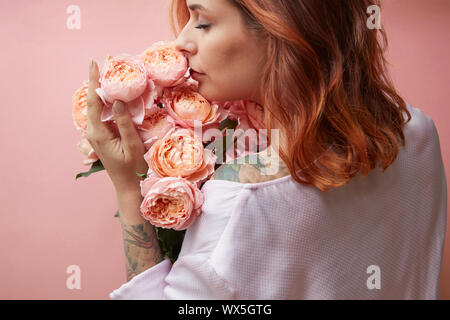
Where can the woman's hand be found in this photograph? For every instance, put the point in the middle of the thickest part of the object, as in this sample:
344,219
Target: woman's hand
121,156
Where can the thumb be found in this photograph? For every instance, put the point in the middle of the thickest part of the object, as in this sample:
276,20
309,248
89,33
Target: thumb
125,124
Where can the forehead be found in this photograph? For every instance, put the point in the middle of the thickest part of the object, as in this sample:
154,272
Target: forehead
224,14
209,6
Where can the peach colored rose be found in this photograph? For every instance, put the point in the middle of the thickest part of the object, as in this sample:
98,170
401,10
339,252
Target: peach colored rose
79,107
85,148
246,109
165,65
250,116
171,203
190,84
181,153
138,107
186,106
159,90
123,78
154,127
255,114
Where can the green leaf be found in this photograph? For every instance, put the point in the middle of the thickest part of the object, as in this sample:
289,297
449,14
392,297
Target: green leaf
229,124
96,166
225,124
170,242
142,175
117,214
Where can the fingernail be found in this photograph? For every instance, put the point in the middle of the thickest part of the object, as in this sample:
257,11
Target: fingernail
91,63
118,107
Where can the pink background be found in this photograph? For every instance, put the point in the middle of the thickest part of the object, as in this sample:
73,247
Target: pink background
48,219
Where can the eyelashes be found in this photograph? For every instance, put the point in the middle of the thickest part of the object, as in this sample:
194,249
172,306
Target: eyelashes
203,26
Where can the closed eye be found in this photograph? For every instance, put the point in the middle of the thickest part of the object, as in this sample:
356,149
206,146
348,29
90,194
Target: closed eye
203,26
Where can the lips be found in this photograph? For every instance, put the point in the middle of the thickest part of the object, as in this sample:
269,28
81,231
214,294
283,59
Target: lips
193,70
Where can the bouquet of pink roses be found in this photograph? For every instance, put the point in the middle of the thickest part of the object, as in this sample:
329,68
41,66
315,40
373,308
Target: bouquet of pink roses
185,135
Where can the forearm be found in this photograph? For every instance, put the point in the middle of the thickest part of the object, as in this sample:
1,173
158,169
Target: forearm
140,243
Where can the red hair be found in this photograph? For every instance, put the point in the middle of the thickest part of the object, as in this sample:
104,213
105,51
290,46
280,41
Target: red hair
325,84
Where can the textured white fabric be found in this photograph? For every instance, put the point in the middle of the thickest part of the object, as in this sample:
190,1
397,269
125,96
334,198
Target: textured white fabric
282,240
146,285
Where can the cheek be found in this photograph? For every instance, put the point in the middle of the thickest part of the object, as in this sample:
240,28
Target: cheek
238,75
227,63
230,67
218,56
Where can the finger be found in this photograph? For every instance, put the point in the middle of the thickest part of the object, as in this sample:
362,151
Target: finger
95,104
131,140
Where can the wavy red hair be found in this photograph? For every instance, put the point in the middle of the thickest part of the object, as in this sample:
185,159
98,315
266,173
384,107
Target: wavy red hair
341,113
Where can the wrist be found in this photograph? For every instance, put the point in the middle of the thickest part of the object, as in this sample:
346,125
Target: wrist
132,220
128,191
129,203
127,184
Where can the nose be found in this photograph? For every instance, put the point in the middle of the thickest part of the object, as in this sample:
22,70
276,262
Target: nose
184,44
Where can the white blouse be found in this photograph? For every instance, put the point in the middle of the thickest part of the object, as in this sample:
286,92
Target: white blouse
378,237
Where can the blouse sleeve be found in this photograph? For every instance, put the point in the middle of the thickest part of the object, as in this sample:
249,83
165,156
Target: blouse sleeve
147,285
191,276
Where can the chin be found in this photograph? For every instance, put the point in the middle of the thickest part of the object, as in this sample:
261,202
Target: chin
207,94
211,94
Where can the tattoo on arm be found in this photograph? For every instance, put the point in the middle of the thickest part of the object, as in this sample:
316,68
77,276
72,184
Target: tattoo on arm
141,247
249,172
228,172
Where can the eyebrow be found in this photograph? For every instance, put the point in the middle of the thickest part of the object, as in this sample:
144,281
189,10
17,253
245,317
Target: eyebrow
194,7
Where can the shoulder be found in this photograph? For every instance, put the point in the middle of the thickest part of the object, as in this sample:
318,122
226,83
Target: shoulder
250,169
420,128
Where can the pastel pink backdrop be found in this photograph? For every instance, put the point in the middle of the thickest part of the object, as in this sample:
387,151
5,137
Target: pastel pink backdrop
48,219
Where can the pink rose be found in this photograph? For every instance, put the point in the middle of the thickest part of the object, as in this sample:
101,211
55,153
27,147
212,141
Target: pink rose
138,107
79,107
246,109
250,116
189,84
186,106
255,114
154,127
181,153
171,203
85,148
123,78
165,65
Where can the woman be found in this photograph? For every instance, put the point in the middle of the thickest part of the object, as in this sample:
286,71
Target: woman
352,213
